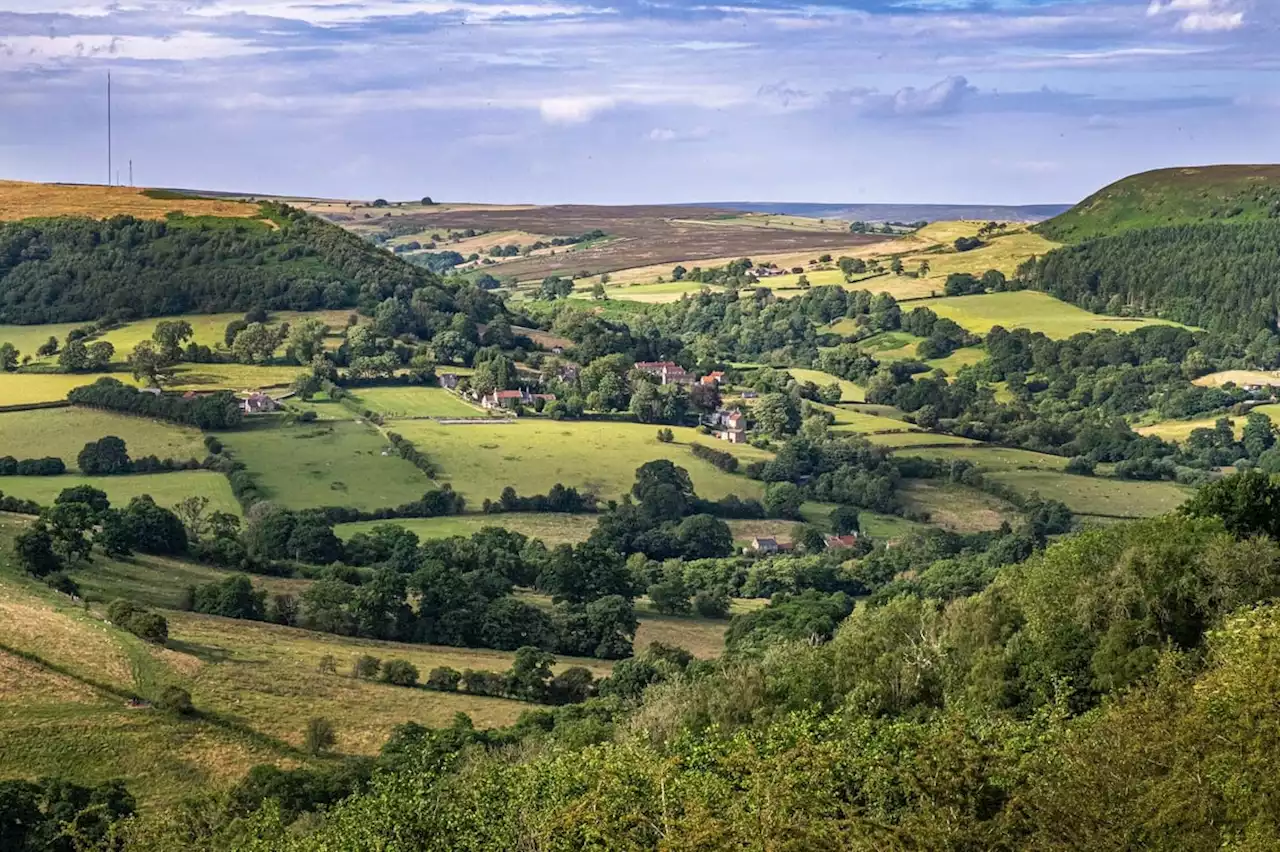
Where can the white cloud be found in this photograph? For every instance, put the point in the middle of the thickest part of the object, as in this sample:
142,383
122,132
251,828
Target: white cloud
666,134
573,109
943,96
187,46
1200,16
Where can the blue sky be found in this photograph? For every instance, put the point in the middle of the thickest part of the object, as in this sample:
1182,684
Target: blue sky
592,101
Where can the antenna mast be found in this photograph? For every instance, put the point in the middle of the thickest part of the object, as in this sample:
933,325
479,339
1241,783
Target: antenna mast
110,170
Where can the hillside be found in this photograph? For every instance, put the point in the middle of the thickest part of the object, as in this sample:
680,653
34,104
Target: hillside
1180,196
98,252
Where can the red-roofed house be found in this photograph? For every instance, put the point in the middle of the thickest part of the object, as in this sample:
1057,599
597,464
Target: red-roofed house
668,372
715,378
841,542
503,399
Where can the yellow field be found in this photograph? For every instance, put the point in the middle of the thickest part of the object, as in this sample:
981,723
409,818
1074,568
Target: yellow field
1031,310
63,432
957,508
1180,430
19,200
27,388
852,392
1239,377
234,377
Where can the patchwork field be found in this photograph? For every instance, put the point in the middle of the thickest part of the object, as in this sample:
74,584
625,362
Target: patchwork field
19,200
1087,495
1239,377
410,401
1179,430
63,432
1031,310
165,488
532,455
329,464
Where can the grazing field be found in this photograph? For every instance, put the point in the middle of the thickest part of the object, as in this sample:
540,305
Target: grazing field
161,582
28,388
990,457
234,377
328,464
1086,495
28,338
552,528
165,488
533,455
1031,310
63,432
656,294
850,391
852,420
878,527
956,507
411,401
1239,377
19,200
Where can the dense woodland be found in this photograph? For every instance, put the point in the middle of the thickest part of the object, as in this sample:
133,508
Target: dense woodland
1220,277
75,270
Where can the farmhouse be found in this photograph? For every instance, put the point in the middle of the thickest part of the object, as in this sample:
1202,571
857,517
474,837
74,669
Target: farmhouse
449,381
715,379
668,372
841,542
259,403
728,426
502,399
768,545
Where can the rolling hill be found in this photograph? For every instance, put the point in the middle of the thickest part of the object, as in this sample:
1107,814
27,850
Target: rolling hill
80,253
1182,196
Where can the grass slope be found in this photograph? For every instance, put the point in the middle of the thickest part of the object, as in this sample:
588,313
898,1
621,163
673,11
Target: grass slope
850,392
1086,495
1238,193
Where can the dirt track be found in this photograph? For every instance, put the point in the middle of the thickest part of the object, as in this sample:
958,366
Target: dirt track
641,235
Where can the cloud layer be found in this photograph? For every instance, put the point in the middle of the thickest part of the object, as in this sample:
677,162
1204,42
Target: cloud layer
594,101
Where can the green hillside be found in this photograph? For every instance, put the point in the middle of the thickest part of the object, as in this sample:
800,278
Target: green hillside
83,263
1172,197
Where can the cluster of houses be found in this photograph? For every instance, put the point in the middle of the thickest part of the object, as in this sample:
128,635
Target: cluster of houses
671,373
511,398
768,546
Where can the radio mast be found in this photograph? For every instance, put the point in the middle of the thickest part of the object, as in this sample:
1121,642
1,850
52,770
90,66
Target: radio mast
110,170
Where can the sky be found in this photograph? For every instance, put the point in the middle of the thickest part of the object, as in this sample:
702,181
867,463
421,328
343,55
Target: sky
638,101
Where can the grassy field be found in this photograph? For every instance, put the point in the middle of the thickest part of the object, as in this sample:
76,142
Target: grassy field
165,488
1031,310
990,457
851,392
63,432
19,200
1179,430
917,439
656,294
956,507
411,401
1087,495
553,529
329,464
852,420
877,526
532,455
27,388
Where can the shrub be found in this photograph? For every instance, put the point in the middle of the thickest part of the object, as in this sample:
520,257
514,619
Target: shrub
712,603
328,665
727,462
1080,466
666,436
175,699
366,667
319,736
444,679
400,673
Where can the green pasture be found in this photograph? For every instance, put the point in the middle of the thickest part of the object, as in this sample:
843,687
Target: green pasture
63,432
327,464
416,401
233,377
850,391
598,456
166,489
918,439
552,528
989,457
1028,309
1090,495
